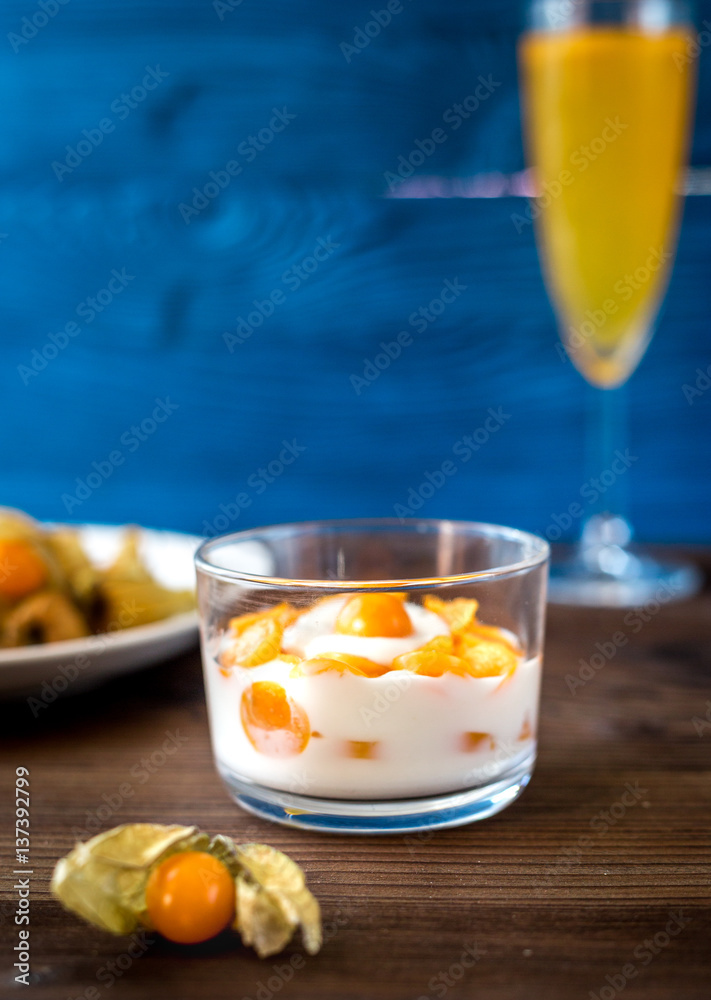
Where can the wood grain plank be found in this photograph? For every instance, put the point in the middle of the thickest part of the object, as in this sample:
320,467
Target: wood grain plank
548,904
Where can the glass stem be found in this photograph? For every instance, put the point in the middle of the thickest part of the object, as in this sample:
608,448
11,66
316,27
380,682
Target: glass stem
606,531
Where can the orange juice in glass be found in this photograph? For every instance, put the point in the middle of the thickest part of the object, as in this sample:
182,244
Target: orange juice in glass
607,94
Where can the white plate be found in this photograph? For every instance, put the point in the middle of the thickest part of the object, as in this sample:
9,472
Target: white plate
56,667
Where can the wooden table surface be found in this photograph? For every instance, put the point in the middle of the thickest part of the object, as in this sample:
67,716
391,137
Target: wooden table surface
595,882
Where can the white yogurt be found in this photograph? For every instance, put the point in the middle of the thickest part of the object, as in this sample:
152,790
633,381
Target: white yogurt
394,736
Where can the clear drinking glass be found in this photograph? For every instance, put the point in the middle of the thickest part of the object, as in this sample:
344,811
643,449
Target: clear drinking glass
607,93
372,676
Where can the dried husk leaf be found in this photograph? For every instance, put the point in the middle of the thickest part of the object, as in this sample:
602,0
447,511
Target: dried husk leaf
104,879
272,901
16,524
127,585
261,921
225,850
128,564
45,616
78,571
134,602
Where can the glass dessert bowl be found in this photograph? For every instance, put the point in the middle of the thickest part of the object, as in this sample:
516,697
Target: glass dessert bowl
372,676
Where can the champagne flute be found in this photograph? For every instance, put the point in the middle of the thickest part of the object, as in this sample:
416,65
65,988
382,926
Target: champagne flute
607,96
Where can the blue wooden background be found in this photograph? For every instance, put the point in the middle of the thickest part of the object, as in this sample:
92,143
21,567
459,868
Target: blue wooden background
219,73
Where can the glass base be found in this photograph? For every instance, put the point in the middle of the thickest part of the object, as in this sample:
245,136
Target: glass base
644,580
605,573
381,816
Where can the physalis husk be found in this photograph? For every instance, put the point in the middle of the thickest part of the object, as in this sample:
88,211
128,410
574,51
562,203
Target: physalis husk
104,881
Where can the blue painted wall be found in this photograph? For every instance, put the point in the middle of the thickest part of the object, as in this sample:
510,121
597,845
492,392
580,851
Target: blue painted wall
200,80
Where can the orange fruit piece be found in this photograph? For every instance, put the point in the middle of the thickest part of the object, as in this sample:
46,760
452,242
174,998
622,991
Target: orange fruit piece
526,731
431,663
489,659
256,644
359,664
340,662
440,643
268,705
458,613
190,897
374,615
324,664
283,614
326,600
476,632
362,749
22,570
274,723
293,661
474,741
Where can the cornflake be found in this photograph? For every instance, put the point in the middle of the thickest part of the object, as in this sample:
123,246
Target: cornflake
257,643
458,614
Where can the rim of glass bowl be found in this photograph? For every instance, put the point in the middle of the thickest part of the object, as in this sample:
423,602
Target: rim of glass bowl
537,549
